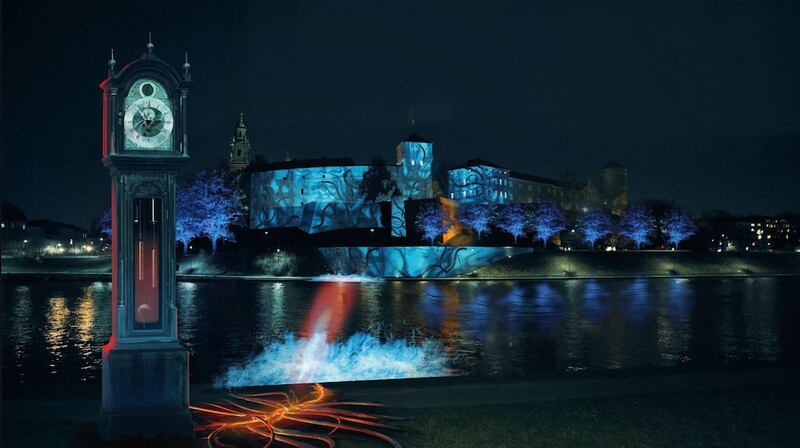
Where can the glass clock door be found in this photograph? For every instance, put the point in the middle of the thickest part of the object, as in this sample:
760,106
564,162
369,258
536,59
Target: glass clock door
146,257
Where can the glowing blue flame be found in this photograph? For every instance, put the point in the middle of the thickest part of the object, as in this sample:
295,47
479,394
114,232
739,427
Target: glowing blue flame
360,357
350,278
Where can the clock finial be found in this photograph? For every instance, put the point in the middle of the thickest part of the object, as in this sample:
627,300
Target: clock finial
150,45
111,64
186,75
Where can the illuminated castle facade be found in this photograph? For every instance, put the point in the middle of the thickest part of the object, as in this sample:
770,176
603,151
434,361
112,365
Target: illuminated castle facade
320,195
480,181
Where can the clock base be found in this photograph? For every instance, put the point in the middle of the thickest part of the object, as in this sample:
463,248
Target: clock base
145,391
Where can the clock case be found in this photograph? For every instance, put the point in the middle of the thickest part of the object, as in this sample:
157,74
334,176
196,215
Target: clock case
145,372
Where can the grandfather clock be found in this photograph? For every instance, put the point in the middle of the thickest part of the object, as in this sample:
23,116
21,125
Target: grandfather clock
145,368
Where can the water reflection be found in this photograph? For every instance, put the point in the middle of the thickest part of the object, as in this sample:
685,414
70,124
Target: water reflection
22,324
55,335
186,301
484,328
84,326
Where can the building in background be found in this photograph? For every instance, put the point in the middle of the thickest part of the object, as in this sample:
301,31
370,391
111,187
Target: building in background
614,187
42,237
768,232
481,181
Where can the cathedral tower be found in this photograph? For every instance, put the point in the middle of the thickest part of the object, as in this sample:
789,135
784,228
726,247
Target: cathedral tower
240,147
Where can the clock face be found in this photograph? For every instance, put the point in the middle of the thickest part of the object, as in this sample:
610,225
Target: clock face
148,121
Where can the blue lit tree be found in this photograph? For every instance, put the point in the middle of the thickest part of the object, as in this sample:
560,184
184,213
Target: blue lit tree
105,223
511,220
431,221
678,226
594,225
188,222
547,220
637,224
476,216
213,203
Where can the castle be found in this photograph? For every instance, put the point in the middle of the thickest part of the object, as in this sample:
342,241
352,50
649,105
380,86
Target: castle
318,195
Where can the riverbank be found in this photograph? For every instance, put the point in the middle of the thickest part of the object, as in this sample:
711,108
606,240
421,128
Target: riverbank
740,408
587,264
538,265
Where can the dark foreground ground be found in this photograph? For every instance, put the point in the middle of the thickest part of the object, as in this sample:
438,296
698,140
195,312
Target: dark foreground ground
764,415
751,408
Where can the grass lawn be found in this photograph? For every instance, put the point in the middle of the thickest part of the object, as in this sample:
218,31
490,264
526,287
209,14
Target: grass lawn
747,416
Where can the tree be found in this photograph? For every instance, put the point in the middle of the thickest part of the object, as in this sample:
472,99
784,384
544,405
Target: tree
659,209
594,225
188,222
678,226
637,224
547,220
431,221
213,203
105,223
476,216
377,183
511,219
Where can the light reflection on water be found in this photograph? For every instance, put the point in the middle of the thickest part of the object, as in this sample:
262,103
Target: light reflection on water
54,330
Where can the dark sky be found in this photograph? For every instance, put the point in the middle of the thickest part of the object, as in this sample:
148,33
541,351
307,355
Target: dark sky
700,100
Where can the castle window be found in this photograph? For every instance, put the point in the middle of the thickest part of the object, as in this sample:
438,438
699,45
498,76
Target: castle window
238,152
412,163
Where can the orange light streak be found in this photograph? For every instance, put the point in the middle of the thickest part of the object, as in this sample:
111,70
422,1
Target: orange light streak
279,419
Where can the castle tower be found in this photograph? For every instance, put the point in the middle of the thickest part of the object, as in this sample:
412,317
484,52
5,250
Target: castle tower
614,187
415,162
240,147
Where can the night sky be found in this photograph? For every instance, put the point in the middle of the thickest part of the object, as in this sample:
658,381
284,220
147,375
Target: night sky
701,101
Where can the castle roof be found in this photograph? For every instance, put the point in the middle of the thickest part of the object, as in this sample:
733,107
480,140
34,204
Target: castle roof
301,163
416,138
480,162
537,179
513,174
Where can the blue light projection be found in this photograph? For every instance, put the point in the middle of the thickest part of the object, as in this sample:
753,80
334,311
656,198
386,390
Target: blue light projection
415,261
480,183
323,198
415,160
278,197
324,216
398,216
